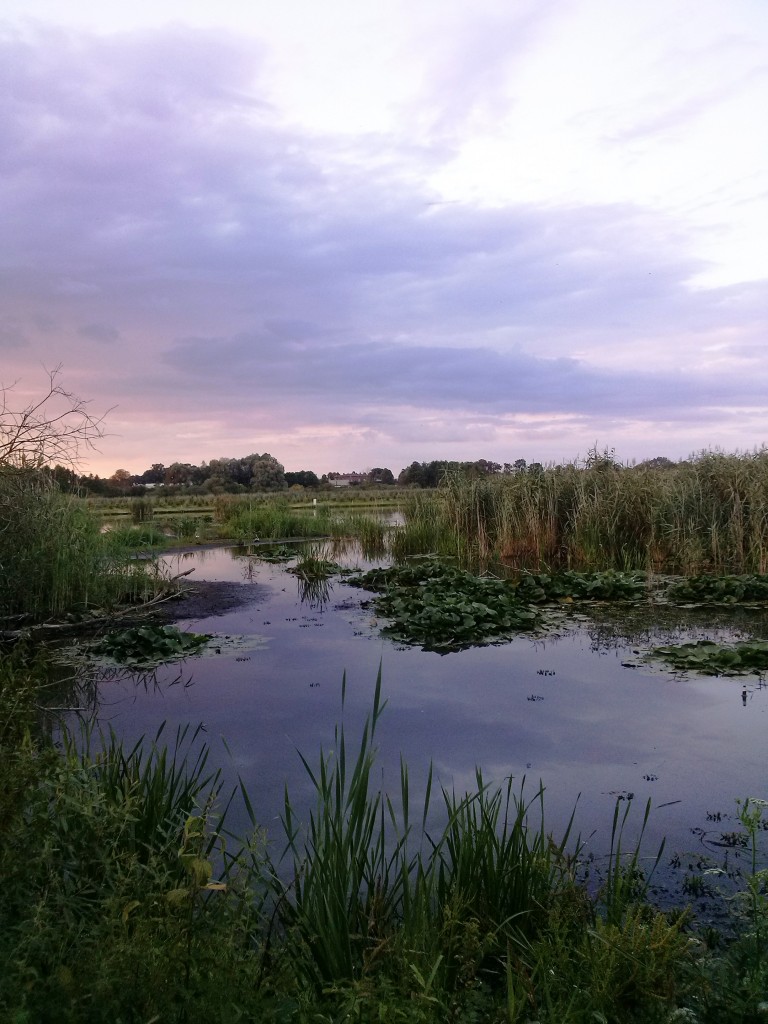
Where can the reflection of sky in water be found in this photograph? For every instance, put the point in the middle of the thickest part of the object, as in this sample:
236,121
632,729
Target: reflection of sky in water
595,728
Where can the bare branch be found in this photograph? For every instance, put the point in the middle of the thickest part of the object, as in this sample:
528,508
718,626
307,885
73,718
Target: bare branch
57,428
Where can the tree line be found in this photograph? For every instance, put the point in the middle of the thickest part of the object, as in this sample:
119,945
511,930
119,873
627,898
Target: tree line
264,473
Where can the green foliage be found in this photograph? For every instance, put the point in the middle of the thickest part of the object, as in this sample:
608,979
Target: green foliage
53,559
269,521
443,608
188,527
539,588
276,553
712,659
130,539
626,884
142,510
108,906
341,901
123,898
709,513
148,645
719,589
312,566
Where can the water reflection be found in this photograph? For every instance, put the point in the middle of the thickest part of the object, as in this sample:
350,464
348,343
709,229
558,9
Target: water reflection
314,591
596,728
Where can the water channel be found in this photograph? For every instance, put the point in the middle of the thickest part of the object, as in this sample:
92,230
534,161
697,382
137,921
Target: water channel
562,709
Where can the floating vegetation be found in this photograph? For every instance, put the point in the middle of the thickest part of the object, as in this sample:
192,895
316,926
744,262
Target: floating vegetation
743,658
719,589
539,588
442,608
276,554
148,645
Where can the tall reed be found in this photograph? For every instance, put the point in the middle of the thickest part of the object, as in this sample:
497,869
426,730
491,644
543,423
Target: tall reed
709,513
53,558
362,880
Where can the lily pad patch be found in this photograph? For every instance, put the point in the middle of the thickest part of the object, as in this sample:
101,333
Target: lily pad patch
151,645
147,645
747,657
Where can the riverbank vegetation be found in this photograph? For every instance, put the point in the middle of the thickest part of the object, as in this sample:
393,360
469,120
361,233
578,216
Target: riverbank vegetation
125,897
708,514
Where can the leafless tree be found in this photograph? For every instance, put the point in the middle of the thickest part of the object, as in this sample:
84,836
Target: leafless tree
56,428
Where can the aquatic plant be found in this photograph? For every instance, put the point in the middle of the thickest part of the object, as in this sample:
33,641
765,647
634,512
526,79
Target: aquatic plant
746,657
583,586
728,589
442,608
148,645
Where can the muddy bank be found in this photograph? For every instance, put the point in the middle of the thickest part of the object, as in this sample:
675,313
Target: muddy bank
203,599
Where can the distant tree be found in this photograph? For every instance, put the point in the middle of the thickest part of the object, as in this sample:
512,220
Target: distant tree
603,461
179,473
303,477
267,474
65,478
658,462
95,484
482,467
218,484
424,474
154,475
120,480
381,476
411,476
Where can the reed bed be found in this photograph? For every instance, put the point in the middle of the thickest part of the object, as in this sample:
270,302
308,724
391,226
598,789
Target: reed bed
707,514
54,560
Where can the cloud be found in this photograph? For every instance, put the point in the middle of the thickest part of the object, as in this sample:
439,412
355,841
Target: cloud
100,332
262,272
11,336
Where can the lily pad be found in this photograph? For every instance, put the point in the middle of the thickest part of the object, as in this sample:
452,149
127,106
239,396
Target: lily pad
747,657
148,645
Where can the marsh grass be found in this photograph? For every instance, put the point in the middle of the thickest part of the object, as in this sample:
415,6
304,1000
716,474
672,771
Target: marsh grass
365,885
53,558
707,514
271,522
110,901
626,884
125,898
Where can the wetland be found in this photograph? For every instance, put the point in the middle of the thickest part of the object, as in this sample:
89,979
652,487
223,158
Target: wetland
573,699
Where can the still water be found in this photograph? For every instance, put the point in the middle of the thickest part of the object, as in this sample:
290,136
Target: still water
561,709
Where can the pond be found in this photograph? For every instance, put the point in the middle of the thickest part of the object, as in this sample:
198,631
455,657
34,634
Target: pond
563,709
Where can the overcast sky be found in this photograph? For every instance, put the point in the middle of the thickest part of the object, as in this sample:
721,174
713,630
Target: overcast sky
362,232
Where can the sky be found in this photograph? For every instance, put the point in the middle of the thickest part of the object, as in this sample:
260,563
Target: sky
367,232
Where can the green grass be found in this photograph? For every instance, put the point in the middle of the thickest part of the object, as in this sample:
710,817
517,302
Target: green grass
124,898
54,560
